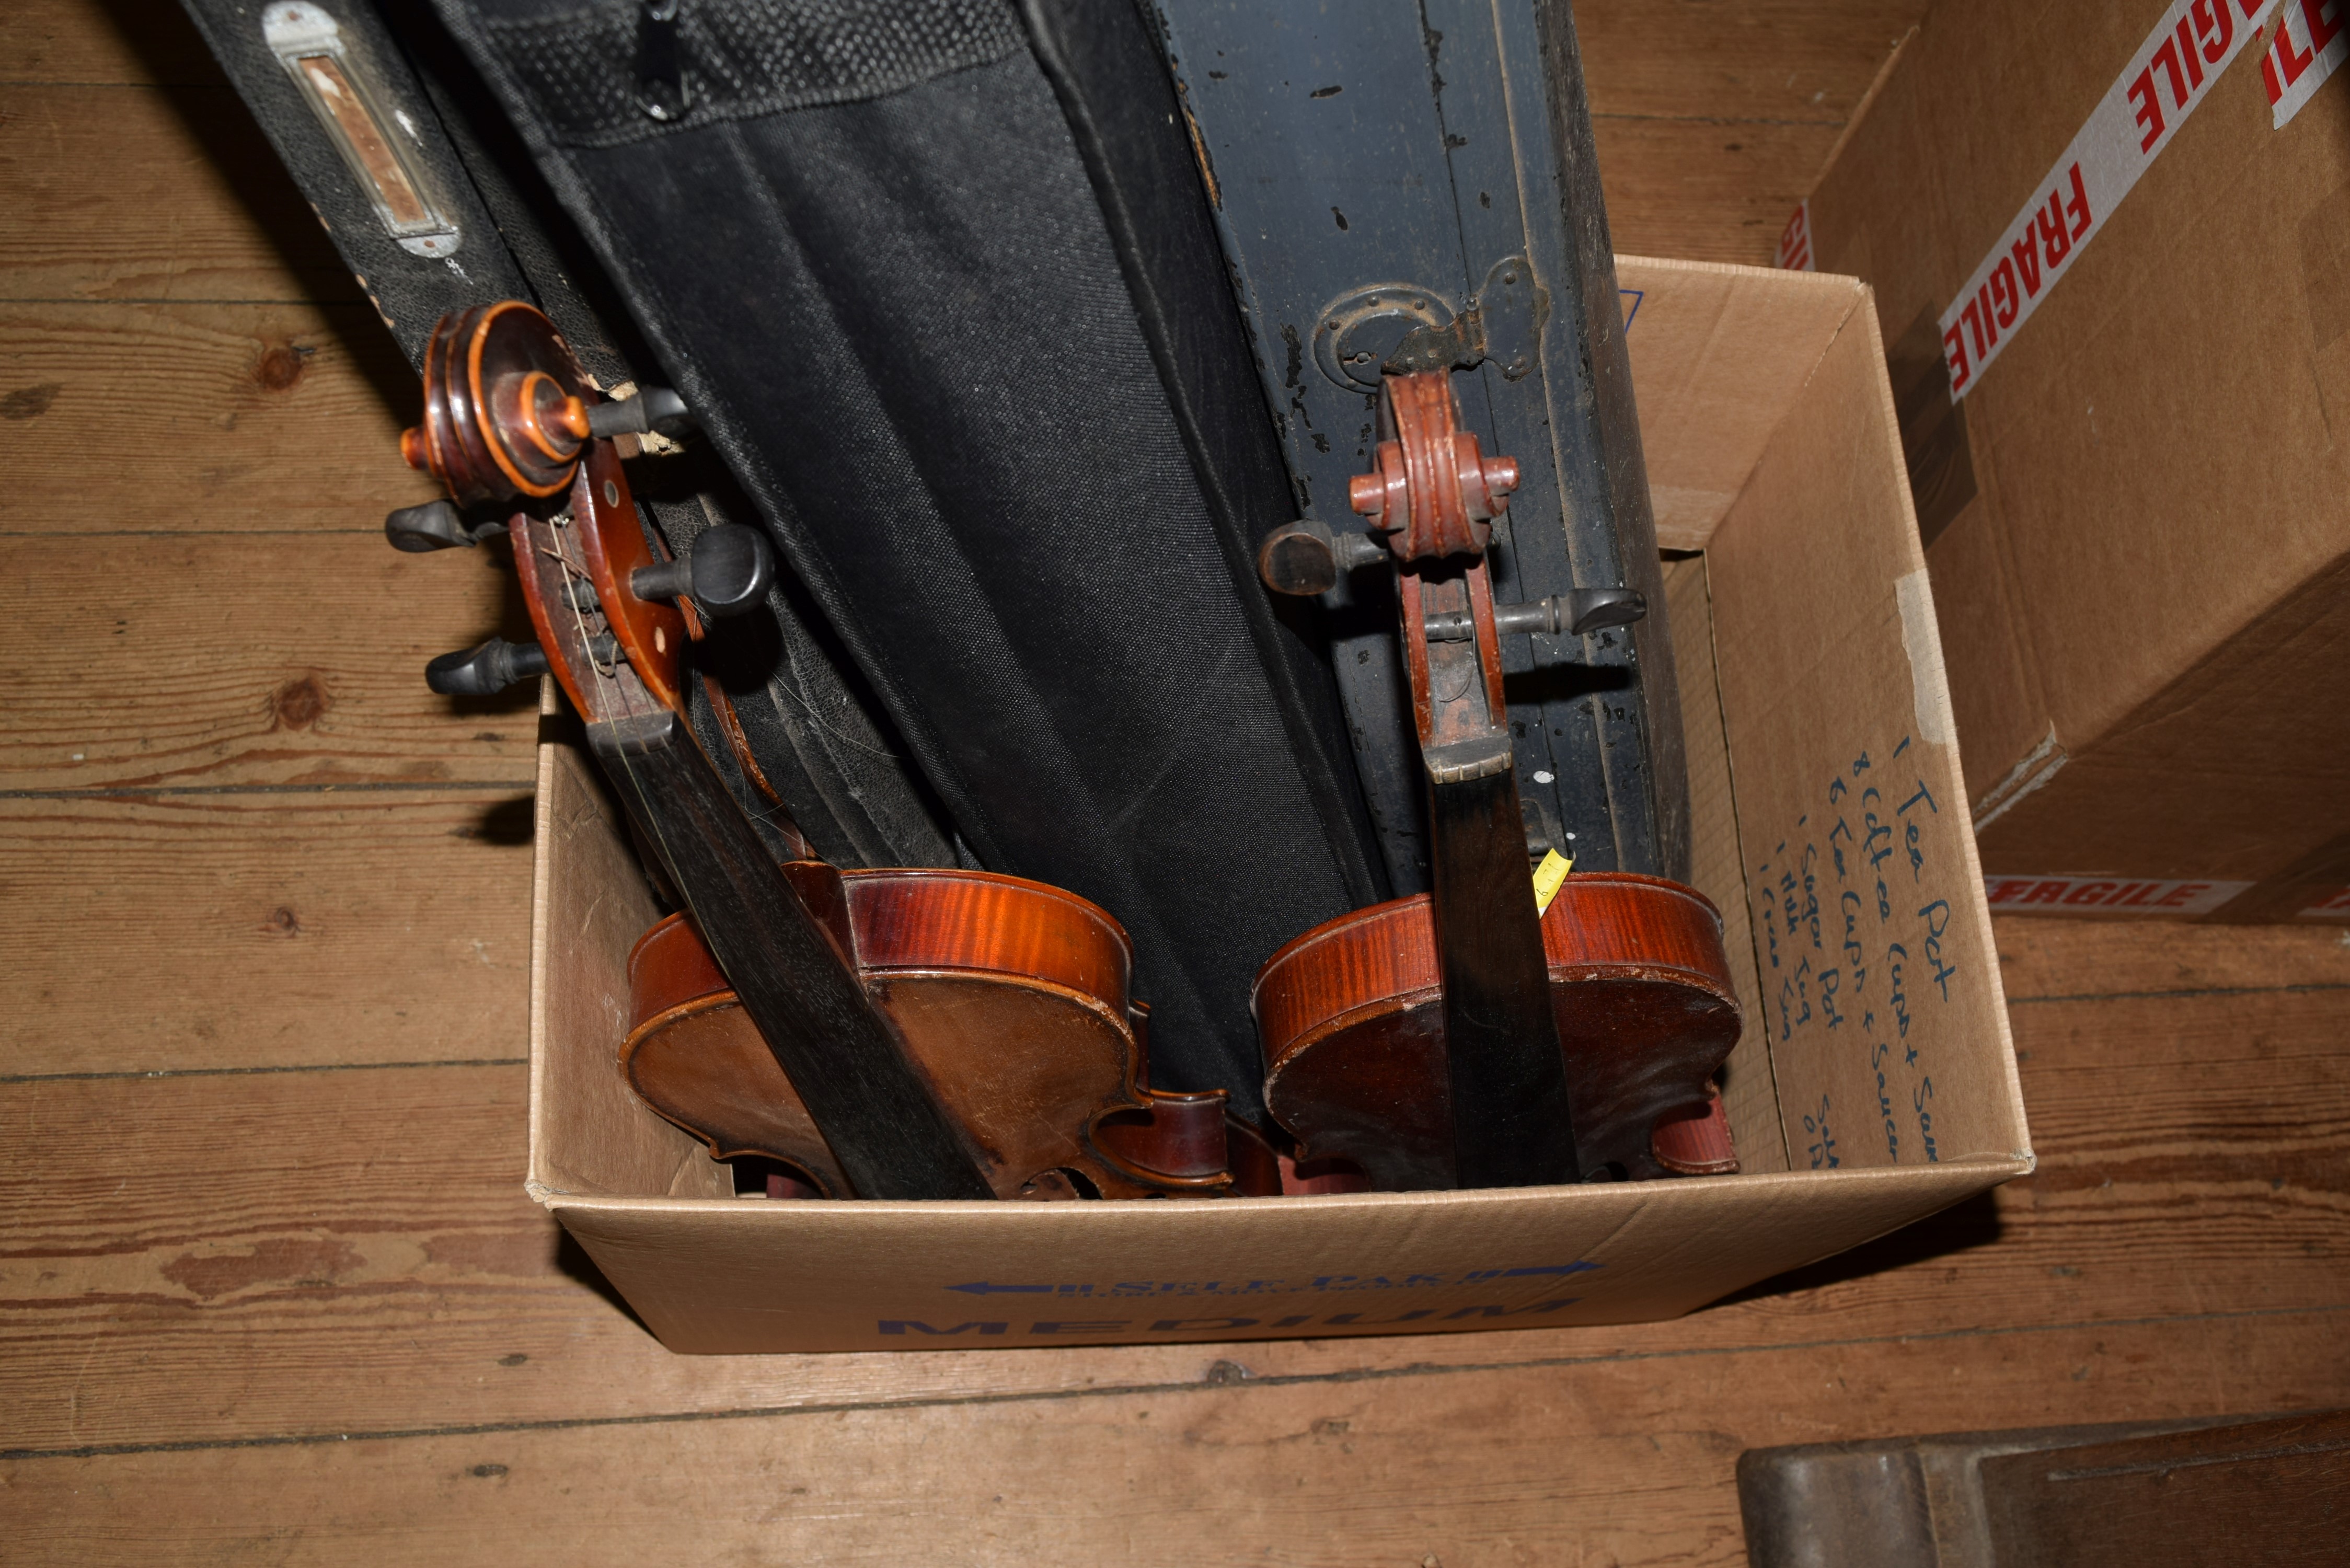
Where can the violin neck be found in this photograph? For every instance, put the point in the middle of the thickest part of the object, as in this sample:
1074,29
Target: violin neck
1512,1124
1510,1121
779,945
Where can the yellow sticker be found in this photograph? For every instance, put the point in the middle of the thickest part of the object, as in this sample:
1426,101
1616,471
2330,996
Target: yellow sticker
1549,876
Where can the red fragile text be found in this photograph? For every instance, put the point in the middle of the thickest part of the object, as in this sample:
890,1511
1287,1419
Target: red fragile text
2143,895
2040,250
2287,59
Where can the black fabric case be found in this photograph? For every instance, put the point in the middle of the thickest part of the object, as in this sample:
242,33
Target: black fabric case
871,256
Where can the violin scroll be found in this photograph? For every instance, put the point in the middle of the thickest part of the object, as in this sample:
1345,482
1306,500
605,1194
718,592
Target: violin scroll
508,411
505,406
510,417
1435,492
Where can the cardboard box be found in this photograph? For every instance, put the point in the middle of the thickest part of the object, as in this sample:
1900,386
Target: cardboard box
1876,1083
2111,251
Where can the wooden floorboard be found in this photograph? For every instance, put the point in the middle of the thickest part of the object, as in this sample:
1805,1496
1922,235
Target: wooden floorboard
373,1221
2047,960
210,416
314,677
1766,62
263,930
270,1288
134,192
114,42
1620,1459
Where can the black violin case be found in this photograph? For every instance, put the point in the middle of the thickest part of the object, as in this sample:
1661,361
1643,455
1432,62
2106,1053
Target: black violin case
954,294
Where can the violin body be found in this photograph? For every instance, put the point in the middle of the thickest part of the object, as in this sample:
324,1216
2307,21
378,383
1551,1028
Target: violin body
1351,1017
1011,999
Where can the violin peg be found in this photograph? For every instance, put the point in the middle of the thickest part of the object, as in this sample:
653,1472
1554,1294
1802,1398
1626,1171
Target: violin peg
1593,609
670,579
734,567
1306,557
652,409
726,571
485,670
1570,614
1298,558
435,525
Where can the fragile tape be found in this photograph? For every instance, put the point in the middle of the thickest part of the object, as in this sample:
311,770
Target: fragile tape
2312,39
2165,81
2106,895
1795,240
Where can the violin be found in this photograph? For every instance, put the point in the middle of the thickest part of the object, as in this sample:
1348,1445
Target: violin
1010,994
1463,1037
900,1033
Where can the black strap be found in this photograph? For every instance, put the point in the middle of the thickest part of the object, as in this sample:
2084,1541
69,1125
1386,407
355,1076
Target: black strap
878,1113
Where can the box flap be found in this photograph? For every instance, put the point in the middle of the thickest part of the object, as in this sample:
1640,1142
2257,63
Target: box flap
1715,368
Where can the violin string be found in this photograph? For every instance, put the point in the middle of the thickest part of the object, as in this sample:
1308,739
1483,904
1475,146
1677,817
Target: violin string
789,683
580,616
574,572
775,812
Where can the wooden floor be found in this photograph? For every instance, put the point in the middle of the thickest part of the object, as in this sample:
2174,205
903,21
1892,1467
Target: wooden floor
269,1286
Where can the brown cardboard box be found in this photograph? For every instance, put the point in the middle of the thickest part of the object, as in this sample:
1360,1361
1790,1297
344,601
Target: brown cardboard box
2137,513
1876,1083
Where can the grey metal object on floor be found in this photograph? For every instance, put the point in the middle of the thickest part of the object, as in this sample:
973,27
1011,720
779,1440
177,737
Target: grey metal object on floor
2222,1489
